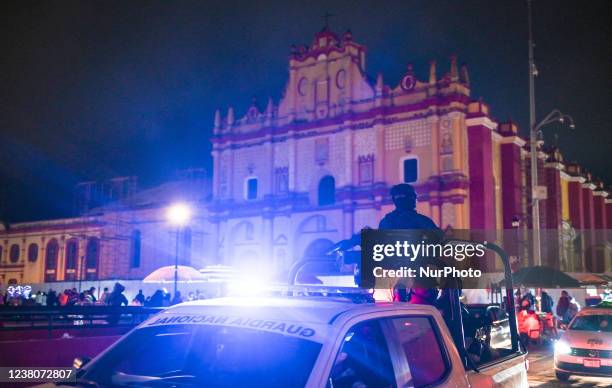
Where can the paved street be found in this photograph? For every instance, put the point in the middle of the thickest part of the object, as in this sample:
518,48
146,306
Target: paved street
542,374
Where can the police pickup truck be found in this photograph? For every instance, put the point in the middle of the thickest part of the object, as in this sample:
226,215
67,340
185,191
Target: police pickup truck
296,341
313,336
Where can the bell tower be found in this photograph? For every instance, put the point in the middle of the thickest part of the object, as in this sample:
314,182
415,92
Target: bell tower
325,77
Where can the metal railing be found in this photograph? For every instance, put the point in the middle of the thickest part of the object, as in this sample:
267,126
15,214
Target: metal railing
50,318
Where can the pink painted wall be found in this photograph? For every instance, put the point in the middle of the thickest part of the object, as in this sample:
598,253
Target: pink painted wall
599,211
553,202
576,208
482,195
511,182
587,203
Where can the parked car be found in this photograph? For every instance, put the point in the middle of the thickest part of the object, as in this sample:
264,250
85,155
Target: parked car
585,348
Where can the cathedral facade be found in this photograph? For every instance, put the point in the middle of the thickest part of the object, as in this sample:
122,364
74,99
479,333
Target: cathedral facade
290,178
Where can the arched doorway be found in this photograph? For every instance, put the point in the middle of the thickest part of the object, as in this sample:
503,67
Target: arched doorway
327,191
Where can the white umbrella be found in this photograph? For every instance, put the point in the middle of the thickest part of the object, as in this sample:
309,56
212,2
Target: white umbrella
185,274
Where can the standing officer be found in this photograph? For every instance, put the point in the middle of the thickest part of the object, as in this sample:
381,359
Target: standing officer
405,215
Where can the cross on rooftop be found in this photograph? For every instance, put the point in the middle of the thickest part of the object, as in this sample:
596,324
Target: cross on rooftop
326,17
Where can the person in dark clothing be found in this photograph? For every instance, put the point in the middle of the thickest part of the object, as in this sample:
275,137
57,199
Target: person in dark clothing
157,299
528,300
116,298
546,302
405,215
563,305
52,298
92,293
140,298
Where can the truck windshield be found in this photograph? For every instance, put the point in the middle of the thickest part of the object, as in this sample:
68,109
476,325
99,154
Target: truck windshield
210,356
593,323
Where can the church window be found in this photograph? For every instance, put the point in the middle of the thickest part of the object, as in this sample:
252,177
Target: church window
366,169
251,188
281,177
14,253
303,86
327,190
135,248
91,258
340,79
72,252
321,150
32,252
51,261
410,170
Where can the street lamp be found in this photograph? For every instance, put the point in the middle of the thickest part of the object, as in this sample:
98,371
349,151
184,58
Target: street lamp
516,224
178,215
554,116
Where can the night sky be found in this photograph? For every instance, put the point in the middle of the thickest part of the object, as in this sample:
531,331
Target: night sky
92,90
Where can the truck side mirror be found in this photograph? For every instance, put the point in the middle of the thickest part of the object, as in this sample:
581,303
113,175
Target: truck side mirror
80,362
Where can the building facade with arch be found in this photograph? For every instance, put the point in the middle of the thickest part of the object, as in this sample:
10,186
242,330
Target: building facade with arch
294,176
318,164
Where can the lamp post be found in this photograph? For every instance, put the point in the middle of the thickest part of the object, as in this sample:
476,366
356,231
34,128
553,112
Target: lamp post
554,116
516,224
178,215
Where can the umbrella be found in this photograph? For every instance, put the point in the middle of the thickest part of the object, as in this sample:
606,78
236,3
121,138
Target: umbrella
165,274
590,279
543,277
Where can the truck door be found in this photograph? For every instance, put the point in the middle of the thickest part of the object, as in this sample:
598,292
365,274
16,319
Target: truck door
363,359
421,346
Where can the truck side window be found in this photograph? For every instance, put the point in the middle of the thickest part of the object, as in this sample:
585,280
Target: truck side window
424,352
501,314
363,359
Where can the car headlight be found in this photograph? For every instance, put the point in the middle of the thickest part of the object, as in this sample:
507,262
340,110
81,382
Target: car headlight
562,347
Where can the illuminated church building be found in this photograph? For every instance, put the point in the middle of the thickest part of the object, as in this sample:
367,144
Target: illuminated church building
290,178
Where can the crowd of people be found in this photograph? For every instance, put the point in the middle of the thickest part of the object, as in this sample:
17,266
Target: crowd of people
116,297
567,306
533,325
